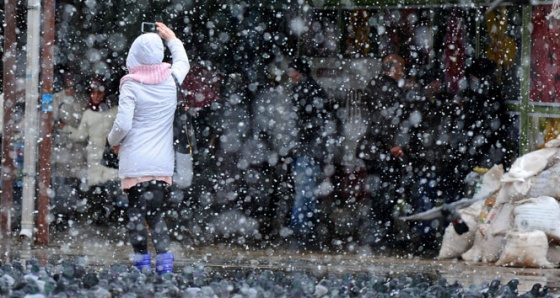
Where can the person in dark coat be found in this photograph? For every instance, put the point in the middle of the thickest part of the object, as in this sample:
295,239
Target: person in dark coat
308,151
434,139
431,177
486,121
384,145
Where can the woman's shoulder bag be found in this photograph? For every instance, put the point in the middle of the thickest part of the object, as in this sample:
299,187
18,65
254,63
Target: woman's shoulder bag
183,129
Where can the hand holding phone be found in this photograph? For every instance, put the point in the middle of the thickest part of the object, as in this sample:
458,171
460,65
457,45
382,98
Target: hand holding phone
165,32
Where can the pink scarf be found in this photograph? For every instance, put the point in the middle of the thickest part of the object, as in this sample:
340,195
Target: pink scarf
148,74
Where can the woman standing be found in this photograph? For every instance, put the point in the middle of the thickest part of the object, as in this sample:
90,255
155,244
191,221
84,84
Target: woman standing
142,134
94,127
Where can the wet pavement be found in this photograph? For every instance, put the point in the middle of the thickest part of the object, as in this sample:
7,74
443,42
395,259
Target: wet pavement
100,247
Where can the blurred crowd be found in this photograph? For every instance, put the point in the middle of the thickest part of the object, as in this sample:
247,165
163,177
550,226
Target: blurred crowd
269,166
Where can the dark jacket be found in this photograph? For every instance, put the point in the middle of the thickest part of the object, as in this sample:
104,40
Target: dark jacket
486,125
486,121
433,130
384,110
309,102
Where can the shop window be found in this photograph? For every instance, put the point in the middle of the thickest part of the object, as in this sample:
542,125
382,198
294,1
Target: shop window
545,128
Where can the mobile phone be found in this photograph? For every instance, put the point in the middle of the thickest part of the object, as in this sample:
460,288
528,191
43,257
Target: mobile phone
149,27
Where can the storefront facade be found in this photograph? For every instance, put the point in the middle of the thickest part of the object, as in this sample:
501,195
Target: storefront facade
237,40
517,38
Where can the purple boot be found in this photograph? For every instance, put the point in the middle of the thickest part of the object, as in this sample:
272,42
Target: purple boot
142,261
164,263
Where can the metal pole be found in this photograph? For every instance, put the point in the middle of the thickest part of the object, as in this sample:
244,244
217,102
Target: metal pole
46,124
8,167
31,115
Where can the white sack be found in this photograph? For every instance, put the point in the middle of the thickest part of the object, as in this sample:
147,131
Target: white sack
529,165
491,182
520,177
554,143
553,254
454,245
525,249
474,254
534,174
542,213
486,247
512,191
500,219
546,183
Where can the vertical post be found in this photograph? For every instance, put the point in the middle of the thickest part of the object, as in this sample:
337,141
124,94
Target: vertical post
31,115
9,87
526,107
46,124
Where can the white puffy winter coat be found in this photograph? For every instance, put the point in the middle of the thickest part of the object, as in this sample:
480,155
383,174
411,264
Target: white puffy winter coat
144,124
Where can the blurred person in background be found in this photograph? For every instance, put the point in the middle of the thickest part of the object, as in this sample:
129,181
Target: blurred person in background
96,122
383,148
429,178
68,158
142,134
309,152
484,139
268,153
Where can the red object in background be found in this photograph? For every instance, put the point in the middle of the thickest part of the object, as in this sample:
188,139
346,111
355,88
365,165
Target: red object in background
545,57
202,85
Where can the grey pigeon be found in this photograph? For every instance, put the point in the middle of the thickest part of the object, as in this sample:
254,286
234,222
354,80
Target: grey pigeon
436,213
90,280
492,289
545,292
533,293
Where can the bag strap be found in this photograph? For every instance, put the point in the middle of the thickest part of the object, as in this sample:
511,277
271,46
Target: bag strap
181,100
180,91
